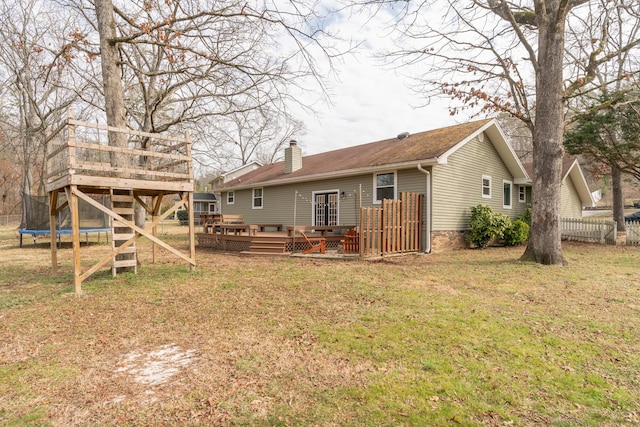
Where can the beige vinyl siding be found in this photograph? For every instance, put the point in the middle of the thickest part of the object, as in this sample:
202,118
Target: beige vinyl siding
571,205
457,186
278,202
518,207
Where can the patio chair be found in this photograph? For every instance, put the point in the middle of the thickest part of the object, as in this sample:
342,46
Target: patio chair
318,244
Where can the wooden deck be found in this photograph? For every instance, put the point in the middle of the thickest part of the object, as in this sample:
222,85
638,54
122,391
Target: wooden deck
267,242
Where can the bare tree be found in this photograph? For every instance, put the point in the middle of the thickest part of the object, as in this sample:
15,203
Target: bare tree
181,62
519,135
609,89
255,135
498,56
33,57
114,106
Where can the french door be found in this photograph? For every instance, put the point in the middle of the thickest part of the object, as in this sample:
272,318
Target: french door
325,207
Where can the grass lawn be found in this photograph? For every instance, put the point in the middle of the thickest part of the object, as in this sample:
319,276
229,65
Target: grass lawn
459,338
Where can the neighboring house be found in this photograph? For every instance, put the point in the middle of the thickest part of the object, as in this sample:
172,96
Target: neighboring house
204,203
231,175
456,167
575,193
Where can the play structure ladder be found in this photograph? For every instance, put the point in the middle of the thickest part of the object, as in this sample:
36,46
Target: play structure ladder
122,204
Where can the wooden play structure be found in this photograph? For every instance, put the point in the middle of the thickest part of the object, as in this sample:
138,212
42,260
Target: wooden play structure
85,159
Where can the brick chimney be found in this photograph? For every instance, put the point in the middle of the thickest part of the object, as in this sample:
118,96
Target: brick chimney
292,157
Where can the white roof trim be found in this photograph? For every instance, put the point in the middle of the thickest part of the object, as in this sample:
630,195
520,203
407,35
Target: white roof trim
255,162
580,183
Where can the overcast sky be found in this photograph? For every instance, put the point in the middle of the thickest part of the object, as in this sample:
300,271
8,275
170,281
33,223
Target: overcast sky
370,102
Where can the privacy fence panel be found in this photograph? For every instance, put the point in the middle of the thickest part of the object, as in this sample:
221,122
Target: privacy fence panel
395,227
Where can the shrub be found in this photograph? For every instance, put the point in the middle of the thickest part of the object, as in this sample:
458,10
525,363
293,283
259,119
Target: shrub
517,233
486,225
526,216
183,216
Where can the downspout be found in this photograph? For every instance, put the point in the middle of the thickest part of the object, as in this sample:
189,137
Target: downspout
427,246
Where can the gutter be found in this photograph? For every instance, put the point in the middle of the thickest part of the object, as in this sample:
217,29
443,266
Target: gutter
427,246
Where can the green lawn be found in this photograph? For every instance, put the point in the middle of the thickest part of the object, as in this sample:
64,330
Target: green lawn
459,338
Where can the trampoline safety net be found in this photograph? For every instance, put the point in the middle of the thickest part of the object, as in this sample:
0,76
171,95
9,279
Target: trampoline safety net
37,214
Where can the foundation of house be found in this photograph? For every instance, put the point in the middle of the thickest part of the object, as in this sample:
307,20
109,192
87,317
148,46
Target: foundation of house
448,240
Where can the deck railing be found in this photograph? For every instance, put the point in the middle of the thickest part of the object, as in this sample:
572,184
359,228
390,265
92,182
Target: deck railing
83,149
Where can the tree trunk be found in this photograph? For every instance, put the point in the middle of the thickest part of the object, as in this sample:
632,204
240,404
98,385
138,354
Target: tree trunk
618,199
545,246
109,58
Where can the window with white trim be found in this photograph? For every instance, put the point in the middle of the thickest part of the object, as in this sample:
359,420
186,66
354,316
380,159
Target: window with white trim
384,186
257,198
522,194
486,186
231,197
506,194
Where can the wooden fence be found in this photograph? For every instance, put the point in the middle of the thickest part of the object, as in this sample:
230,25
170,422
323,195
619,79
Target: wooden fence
395,227
589,230
633,233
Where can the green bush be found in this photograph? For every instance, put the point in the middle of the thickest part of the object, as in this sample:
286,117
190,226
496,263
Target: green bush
526,216
486,225
517,233
183,216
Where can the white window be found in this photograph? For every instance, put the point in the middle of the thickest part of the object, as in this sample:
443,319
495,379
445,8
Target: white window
522,194
486,186
506,194
384,186
231,197
257,198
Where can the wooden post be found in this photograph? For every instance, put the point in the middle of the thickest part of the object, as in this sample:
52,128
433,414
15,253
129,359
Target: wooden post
71,141
154,229
295,207
75,233
53,203
192,234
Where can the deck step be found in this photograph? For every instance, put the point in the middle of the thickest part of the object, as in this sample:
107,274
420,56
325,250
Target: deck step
272,246
258,254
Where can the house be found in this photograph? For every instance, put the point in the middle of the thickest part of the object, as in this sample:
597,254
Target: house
575,193
456,167
203,203
233,174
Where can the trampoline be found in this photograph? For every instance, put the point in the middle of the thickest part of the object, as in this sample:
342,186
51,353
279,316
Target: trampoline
64,231
36,221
